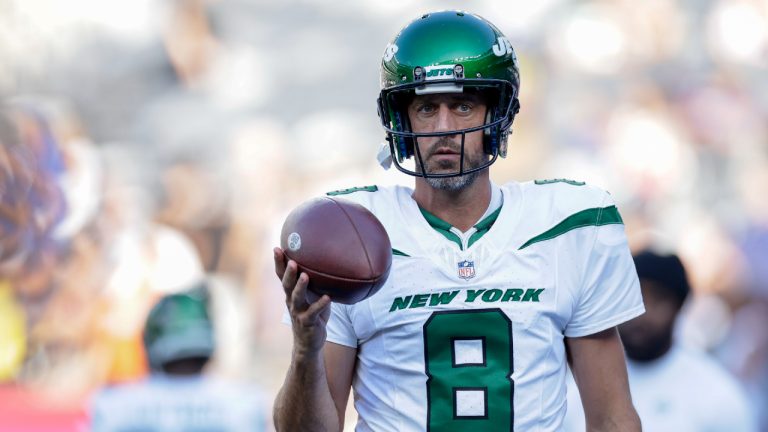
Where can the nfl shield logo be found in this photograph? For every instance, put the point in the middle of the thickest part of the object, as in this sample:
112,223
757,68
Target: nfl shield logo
466,269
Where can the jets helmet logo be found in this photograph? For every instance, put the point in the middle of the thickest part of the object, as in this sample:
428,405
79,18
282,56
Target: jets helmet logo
390,51
503,47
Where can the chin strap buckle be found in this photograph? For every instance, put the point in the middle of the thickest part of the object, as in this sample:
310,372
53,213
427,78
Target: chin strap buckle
384,155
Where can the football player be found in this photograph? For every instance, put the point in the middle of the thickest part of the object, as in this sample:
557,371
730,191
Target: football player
492,288
675,388
178,395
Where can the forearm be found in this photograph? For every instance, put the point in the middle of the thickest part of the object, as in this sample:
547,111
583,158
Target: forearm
304,402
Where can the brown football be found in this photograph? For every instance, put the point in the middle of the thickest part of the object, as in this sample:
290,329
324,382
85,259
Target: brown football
340,245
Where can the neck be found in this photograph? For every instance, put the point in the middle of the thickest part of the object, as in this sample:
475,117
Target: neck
463,208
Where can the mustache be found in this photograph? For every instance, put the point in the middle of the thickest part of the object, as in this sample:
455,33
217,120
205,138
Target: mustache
443,143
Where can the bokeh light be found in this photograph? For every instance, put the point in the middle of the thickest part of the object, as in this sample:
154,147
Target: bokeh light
164,142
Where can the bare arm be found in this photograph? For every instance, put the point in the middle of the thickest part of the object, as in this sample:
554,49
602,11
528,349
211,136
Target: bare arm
600,371
311,399
342,359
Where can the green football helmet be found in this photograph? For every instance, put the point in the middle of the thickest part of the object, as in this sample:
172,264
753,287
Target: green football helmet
448,52
179,327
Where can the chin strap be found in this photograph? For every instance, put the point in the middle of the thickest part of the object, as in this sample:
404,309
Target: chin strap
384,156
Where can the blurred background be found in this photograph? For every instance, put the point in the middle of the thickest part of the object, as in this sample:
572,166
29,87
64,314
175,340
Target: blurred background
150,144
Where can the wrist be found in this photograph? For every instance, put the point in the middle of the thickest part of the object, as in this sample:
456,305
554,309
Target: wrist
304,354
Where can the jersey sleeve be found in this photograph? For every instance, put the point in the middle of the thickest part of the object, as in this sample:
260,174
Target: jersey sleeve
610,292
339,328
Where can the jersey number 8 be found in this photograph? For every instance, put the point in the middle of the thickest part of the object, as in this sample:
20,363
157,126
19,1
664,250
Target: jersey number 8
468,362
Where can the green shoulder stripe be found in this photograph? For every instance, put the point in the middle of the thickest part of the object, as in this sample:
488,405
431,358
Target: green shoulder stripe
399,253
373,188
559,180
589,217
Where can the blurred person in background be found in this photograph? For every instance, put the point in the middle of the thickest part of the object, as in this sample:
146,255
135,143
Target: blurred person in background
32,200
32,254
450,83
179,395
674,389
184,132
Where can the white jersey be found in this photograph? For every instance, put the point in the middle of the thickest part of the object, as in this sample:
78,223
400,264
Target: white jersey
467,333
180,404
683,391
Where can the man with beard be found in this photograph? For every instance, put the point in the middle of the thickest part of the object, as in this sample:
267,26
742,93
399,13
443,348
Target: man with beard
673,388
490,285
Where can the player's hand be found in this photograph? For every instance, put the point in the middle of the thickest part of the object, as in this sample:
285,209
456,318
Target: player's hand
308,319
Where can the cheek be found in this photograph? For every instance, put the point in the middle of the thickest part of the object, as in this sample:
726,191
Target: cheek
477,136
418,125
425,143
474,142
666,315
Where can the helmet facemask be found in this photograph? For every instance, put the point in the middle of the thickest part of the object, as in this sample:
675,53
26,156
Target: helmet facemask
500,98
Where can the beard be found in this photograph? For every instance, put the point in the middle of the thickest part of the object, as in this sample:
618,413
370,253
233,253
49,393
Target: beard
456,183
646,348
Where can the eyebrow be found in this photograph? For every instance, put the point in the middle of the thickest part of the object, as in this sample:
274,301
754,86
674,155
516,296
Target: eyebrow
458,97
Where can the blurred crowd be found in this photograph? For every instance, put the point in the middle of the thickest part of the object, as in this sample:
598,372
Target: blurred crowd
152,144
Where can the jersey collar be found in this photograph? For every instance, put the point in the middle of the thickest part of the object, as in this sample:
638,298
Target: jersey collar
465,239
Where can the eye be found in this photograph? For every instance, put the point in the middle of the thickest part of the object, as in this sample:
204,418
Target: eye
464,107
426,108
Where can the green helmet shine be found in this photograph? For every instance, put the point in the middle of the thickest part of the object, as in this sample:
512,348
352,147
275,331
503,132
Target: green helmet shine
179,327
449,38
449,51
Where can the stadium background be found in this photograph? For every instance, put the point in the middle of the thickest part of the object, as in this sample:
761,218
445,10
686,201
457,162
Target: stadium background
183,131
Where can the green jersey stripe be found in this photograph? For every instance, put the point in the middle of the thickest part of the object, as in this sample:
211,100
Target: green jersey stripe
441,226
444,227
487,223
589,217
399,253
372,188
484,226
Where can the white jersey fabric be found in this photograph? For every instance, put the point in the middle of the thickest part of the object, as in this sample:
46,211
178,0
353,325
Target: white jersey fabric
467,333
180,404
683,391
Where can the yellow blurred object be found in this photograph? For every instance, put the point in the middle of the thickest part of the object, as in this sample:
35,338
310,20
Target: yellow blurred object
13,335
128,359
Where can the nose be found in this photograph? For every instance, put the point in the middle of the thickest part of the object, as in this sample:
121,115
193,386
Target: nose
445,119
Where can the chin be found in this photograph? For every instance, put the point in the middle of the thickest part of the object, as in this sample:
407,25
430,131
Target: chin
452,184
